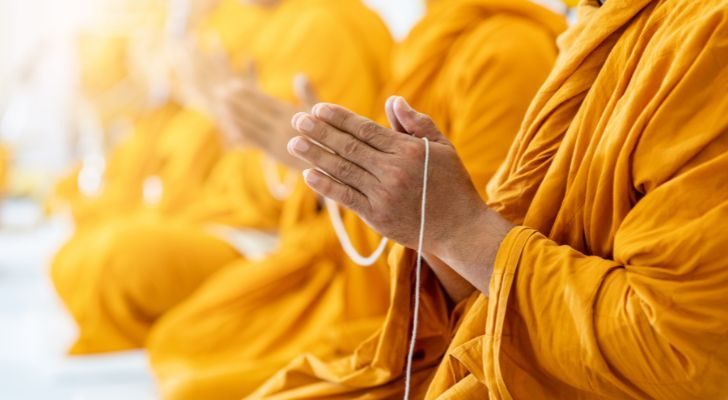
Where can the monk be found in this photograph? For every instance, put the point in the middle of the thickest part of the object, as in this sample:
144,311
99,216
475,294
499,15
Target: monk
118,280
597,267
308,297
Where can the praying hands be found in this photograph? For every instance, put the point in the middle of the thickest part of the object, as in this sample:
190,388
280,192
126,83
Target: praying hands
377,173
248,116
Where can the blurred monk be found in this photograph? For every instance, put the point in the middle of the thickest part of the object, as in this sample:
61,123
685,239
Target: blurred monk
597,268
118,280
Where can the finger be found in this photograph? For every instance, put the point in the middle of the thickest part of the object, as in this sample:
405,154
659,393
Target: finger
338,192
341,143
260,100
238,126
361,128
304,91
239,131
335,166
415,123
392,117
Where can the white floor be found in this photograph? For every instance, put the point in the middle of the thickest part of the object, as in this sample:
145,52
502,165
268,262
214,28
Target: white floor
35,331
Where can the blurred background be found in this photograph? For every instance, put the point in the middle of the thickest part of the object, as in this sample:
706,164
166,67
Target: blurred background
71,72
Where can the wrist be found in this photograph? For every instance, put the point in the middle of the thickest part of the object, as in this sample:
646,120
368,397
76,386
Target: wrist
472,244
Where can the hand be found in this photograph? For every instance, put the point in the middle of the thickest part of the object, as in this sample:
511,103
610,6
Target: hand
199,71
246,115
377,173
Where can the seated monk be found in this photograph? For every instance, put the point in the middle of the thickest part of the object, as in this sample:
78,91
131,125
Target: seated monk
597,268
473,64
118,280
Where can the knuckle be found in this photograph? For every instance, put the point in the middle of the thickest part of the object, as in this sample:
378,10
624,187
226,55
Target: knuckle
324,186
412,150
350,148
401,178
343,168
343,119
367,131
320,133
347,197
386,198
423,119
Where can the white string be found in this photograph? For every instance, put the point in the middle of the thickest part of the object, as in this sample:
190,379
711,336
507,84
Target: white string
279,190
349,249
345,241
418,271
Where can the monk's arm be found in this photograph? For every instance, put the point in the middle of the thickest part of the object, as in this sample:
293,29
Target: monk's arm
649,321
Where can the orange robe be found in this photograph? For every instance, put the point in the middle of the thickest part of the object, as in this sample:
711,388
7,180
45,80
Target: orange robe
459,64
614,284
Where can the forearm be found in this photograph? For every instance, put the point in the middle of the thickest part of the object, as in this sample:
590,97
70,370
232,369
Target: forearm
471,249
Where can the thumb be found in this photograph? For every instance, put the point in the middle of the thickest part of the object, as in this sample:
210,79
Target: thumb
304,91
416,123
391,116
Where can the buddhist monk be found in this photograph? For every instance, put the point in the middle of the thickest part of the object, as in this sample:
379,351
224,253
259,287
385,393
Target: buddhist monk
117,281
597,267
247,322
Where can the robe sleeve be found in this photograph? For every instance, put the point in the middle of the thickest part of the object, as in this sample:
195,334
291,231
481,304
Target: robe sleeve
650,321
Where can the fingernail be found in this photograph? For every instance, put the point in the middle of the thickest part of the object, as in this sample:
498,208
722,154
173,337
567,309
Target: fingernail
309,177
299,144
294,119
305,123
323,111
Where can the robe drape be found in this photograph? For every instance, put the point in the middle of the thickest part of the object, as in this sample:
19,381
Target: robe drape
614,284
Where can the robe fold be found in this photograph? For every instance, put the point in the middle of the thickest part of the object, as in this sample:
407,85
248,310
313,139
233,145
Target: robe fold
614,284
306,317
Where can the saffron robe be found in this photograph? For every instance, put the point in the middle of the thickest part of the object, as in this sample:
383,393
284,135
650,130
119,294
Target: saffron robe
613,285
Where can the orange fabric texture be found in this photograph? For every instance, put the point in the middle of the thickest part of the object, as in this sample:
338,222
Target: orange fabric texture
614,285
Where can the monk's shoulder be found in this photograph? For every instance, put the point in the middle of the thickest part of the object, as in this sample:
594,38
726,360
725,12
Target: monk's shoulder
509,39
337,18
506,46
